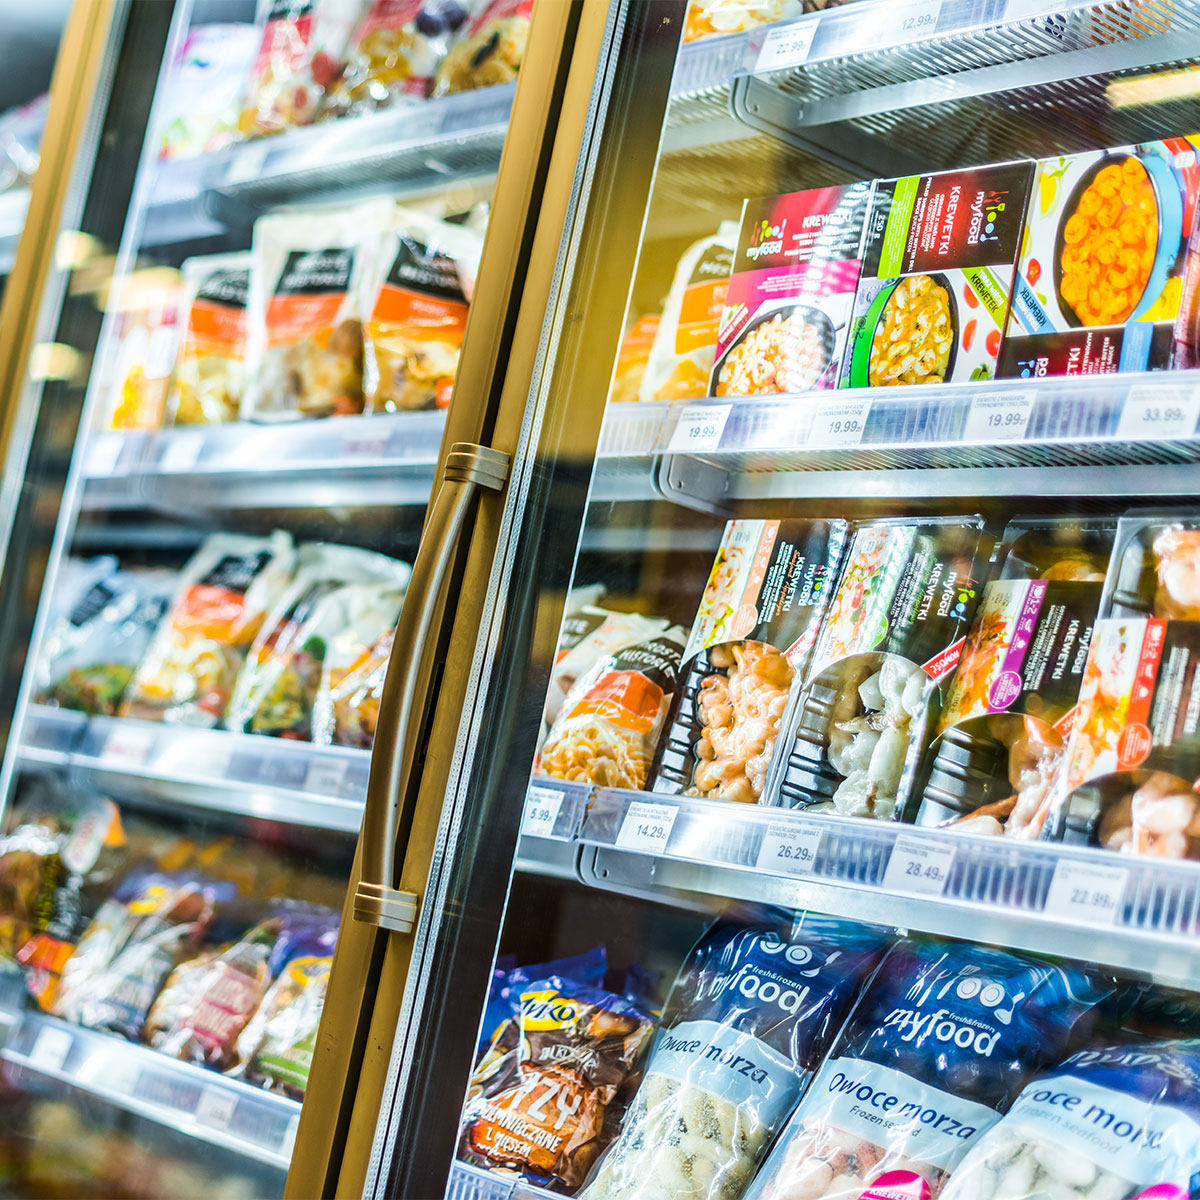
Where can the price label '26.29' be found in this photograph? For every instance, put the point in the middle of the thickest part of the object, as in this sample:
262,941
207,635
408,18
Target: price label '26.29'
788,849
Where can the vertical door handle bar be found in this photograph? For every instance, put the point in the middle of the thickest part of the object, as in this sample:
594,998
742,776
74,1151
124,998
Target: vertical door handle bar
377,901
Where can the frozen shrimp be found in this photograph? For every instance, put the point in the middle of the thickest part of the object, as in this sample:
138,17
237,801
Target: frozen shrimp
1177,558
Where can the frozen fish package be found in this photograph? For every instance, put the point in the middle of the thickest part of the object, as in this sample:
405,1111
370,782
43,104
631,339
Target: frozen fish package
1133,759
1001,740
890,640
753,633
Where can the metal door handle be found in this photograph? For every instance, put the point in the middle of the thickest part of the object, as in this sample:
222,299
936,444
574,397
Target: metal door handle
377,901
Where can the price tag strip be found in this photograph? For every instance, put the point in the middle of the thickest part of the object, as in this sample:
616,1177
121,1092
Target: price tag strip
50,1048
918,867
326,777
1156,413
838,423
181,452
1003,417
1086,893
542,805
699,428
647,827
128,746
216,1108
788,849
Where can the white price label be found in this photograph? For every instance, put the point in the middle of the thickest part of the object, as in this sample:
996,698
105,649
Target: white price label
1002,417
647,827
788,849
787,46
216,1107
325,777
103,452
899,23
50,1048
699,428
181,452
1151,413
367,445
839,422
920,867
541,811
129,745
248,162
288,1143
1085,892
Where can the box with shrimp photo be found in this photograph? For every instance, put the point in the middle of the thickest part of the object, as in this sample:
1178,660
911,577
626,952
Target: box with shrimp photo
1133,758
1100,276
939,252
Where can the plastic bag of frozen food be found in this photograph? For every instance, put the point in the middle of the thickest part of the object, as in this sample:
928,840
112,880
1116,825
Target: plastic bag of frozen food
90,657
313,277
147,342
894,632
937,1048
633,357
750,1015
414,332
222,598
685,343
752,635
300,56
206,387
543,1108
393,54
80,590
1113,1122
178,995
609,724
203,89
491,49
278,683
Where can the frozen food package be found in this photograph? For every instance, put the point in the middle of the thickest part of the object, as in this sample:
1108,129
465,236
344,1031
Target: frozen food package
490,49
708,17
1133,757
1001,740
1100,277
415,324
80,590
90,656
312,279
753,633
750,1015
147,343
685,338
1113,1122
277,1045
178,996
221,600
793,284
209,377
939,256
393,54
300,56
892,636
546,1108
936,1049
277,685
633,358
608,727
203,89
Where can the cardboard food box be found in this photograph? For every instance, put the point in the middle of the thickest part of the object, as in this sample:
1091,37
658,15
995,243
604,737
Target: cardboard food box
794,275
1102,261
939,254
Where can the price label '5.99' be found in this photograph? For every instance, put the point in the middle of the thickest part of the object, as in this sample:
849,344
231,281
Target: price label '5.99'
541,811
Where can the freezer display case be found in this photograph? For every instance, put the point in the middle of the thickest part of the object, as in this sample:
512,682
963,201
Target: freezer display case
891,682
219,451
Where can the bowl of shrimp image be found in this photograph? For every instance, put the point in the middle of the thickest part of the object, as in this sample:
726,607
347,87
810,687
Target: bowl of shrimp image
781,351
908,335
1114,248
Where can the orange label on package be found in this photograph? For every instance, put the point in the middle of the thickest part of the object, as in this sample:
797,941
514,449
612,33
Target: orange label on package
626,699
309,295
215,329
635,347
400,309
700,315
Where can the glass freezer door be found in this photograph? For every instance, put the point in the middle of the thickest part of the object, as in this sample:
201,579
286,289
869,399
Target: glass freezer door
771,235
279,305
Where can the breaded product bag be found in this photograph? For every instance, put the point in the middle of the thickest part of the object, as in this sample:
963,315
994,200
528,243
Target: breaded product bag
750,1015
937,1048
491,48
313,277
1113,1122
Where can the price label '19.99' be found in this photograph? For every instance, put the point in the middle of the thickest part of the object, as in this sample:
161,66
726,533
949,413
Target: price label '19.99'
1000,417
699,428
839,422
919,867
647,827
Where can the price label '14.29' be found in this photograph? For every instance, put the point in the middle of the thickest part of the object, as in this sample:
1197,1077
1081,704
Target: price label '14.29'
788,849
919,867
647,827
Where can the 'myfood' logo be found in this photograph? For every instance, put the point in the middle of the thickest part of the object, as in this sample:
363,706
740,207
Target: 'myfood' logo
766,238
986,212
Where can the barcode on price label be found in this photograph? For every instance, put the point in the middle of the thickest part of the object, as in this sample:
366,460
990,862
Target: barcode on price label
1002,417
1086,892
181,452
325,777
786,47
699,428
1150,413
541,811
839,422
216,1108
788,849
50,1049
647,827
919,867
129,745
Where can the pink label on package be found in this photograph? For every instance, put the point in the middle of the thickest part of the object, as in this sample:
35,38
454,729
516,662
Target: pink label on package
1163,1191
897,1185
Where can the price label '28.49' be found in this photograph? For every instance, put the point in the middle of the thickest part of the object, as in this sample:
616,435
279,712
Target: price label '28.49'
919,867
